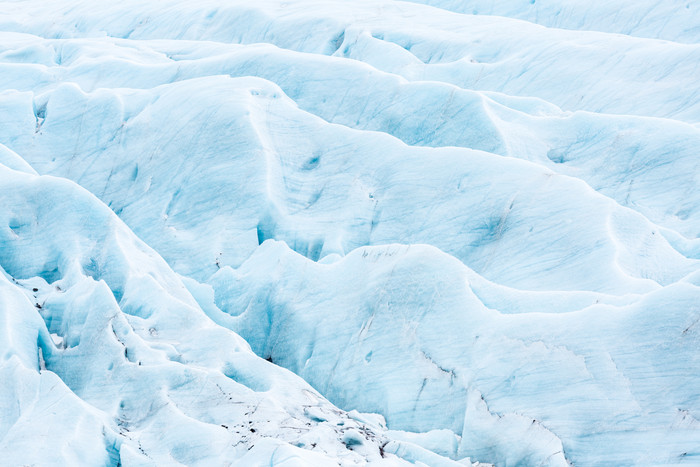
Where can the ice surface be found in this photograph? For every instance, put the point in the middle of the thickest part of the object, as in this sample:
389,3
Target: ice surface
674,20
471,232
411,309
108,360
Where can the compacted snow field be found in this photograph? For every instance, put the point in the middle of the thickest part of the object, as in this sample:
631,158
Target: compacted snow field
328,232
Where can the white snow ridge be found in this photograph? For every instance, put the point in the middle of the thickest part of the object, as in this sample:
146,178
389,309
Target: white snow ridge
331,232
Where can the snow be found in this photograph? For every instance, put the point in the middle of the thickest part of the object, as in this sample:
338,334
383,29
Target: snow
456,232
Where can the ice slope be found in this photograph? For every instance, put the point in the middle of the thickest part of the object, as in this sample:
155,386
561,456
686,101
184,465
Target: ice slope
108,360
671,20
576,70
484,229
592,372
254,167
576,144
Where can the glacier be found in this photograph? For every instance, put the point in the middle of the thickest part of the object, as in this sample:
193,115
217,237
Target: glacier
380,232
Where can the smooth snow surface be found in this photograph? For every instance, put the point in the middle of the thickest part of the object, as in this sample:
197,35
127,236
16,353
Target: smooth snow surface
471,230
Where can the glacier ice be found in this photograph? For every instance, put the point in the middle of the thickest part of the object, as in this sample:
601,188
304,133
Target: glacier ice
412,309
457,232
108,359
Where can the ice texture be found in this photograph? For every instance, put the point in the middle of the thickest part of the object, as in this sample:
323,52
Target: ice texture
108,359
349,233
